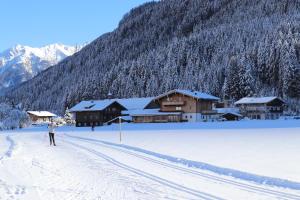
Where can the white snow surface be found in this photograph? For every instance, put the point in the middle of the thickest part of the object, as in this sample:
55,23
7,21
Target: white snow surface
212,160
42,113
255,100
92,105
129,104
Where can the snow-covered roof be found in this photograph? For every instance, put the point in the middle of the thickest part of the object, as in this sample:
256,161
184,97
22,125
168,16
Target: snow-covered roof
226,110
191,93
92,105
256,100
149,112
135,103
98,105
127,118
232,113
41,113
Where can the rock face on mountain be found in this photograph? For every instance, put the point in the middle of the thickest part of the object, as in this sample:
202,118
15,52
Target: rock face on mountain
21,63
229,48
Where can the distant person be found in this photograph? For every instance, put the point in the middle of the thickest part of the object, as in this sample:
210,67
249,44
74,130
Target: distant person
93,127
51,127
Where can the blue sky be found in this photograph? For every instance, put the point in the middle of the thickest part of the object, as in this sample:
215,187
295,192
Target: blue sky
40,22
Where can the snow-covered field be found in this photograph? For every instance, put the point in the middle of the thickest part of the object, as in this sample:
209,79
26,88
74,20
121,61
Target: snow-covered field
225,160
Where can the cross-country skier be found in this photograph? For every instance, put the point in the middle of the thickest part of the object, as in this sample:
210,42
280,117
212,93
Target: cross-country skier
51,127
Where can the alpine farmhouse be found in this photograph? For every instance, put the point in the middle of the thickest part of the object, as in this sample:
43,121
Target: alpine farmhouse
97,113
261,107
172,106
178,106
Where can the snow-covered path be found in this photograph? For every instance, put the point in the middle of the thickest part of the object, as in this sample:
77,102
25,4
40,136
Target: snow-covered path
86,167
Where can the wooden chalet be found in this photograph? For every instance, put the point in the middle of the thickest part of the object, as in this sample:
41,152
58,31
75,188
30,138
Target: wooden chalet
178,105
261,107
40,116
96,113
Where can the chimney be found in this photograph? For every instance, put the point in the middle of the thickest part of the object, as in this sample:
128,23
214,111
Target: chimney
109,95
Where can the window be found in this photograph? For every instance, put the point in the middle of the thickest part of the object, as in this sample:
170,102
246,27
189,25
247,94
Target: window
178,108
79,124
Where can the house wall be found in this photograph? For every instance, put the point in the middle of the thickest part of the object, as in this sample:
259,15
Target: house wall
192,109
187,104
37,119
204,105
97,118
156,118
177,103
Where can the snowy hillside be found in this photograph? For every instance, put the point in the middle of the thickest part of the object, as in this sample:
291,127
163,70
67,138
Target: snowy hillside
257,160
21,63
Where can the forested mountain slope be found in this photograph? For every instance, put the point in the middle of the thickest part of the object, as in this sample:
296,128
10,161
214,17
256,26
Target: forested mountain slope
230,48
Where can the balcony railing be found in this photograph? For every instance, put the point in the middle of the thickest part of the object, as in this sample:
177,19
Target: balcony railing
173,103
263,109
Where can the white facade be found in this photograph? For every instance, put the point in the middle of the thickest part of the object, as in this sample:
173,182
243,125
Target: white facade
198,117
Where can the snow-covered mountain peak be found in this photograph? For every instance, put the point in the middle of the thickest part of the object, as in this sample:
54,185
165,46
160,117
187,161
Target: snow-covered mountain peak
22,62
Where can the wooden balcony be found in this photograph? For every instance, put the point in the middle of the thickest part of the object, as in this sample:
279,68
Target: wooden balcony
173,103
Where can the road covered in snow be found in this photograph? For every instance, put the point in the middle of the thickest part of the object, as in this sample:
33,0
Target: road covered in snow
226,160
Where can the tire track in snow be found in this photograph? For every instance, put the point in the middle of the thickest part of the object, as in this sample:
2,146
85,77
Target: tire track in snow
147,175
240,185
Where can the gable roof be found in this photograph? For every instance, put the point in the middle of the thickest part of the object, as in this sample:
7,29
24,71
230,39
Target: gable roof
41,113
135,103
256,100
98,105
92,105
190,93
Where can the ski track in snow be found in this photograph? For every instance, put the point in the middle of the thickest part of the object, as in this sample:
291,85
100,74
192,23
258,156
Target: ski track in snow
12,191
173,185
32,176
122,148
53,180
264,180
